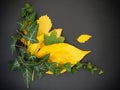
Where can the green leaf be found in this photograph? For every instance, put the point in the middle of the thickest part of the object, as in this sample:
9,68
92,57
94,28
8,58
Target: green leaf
27,5
67,67
74,71
20,59
27,76
29,10
79,65
40,70
22,51
31,26
32,58
89,66
21,25
31,17
101,71
45,58
23,12
52,39
39,74
51,66
31,36
15,65
15,38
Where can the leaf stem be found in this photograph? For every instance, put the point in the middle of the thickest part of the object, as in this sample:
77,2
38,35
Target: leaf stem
33,75
19,32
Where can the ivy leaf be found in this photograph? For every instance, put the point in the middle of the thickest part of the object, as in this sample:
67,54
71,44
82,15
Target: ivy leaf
22,51
28,8
15,38
78,65
40,70
57,71
15,65
52,39
21,25
31,36
31,17
31,26
27,5
23,12
39,74
68,67
45,58
51,66
32,58
74,71
27,76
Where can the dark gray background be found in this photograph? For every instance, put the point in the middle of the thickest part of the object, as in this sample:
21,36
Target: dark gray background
99,18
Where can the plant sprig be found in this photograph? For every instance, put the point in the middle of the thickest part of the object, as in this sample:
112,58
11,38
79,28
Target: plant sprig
87,66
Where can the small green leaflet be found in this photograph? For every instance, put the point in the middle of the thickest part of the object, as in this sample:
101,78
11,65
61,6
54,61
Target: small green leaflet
15,38
44,58
74,70
31,36
23,12
51,66
28,8
76,67
21,25
22,51
15,65
31,17
67,66
27,76
52,39
40,70
31,26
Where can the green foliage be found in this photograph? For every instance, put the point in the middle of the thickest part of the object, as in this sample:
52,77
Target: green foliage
28,23
52,39
87,66
31,36
67,66
21,25
26,10
31,17
31,26
15,38
44,58
27,74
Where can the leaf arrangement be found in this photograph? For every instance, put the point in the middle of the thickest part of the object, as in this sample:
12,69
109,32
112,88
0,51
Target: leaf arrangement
42,52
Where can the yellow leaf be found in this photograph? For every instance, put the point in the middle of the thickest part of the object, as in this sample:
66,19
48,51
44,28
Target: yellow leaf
62,53
33,48
25,42
83,38
45,25
25,32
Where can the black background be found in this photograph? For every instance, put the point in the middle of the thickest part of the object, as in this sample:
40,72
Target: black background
99,18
